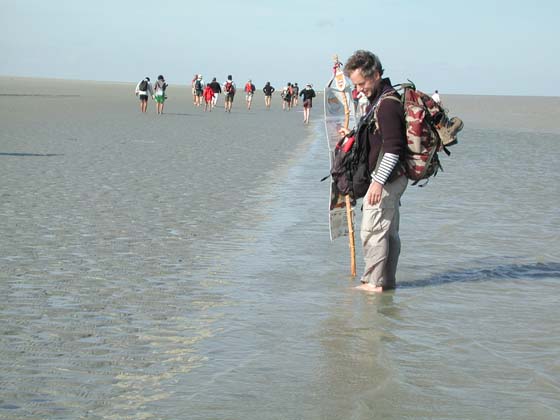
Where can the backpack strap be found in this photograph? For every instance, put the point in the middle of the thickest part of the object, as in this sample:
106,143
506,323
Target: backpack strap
388,95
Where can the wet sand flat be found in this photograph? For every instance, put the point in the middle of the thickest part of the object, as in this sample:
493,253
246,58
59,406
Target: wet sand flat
113,221
86,173
179,266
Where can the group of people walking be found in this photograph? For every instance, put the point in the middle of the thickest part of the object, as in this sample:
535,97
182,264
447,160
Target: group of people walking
290,98
207,94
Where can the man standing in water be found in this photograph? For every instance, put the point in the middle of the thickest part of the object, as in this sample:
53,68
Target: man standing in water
379,231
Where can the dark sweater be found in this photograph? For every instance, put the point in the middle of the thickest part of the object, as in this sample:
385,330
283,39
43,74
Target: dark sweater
391,135
307,94
216,87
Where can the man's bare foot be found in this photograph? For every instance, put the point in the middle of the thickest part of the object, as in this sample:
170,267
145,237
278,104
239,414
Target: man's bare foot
367,287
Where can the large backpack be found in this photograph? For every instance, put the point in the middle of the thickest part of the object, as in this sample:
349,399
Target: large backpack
198,85
428,131
287,93
230,90
143,86
350,168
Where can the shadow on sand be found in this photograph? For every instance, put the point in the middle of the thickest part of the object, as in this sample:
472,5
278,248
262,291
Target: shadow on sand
182,115
39,95
30,154
506,272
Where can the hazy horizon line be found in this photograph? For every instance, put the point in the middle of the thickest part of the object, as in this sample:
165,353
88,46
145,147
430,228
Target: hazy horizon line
63,79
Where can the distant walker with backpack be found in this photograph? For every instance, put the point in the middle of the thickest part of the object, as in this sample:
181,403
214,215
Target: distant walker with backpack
229,89
143,89
198,85
143,85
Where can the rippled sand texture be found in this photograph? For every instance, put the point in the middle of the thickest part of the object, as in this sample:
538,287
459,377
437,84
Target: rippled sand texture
114,225
179,267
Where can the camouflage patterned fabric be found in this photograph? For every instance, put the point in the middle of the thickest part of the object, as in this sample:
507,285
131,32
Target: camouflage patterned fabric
423,141
426,125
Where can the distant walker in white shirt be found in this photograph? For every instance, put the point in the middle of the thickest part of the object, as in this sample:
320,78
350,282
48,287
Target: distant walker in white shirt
143,89
436,97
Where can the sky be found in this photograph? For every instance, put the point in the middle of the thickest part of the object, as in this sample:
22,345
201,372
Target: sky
458,47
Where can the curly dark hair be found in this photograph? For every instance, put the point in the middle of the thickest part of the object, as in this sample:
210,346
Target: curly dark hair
366,61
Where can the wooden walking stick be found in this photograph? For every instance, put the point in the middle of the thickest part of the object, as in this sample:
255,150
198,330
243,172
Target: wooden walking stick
350,220
340,81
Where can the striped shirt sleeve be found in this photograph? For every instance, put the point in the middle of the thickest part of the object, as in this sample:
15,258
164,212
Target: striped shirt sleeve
386,167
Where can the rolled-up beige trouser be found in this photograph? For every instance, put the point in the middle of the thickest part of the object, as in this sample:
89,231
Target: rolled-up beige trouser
380,235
